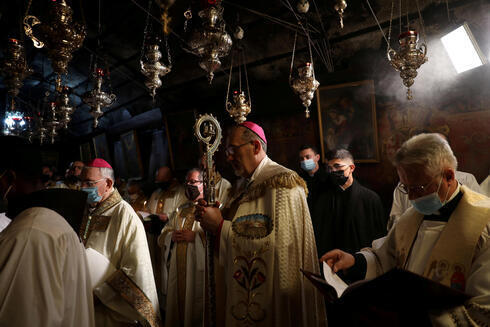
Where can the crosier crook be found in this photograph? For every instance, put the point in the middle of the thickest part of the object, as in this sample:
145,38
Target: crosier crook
208,132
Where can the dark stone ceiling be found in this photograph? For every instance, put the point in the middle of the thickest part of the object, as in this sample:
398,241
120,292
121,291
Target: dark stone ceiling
268,50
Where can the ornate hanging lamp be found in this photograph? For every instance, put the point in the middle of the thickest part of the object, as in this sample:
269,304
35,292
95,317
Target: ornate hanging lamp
410,56
152,68
305,83
41,131
303,6
65,110
211,42
14,67
150,63
339,7
97,99
52,124
13,122
59,34
408,59
240,105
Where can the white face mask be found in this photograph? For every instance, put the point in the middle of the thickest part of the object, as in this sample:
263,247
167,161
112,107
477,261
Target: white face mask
134,196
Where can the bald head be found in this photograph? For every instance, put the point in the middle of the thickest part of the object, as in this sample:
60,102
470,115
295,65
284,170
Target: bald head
163,175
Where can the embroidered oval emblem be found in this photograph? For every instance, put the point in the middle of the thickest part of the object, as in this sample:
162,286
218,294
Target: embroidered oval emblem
253,226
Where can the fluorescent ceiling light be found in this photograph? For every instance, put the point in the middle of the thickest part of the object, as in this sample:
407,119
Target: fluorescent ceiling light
462,49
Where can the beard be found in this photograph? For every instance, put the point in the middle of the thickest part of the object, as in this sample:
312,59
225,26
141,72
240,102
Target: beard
237,169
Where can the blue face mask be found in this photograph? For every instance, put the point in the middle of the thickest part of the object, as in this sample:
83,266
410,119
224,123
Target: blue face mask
93,194
308,165
430,203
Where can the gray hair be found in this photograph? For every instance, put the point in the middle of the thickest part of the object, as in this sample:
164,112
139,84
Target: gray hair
193,170
341,154
107,173
249,136
430,150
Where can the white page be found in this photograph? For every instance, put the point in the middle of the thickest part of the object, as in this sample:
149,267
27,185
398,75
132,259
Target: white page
145,215
4,221
99,266
334,280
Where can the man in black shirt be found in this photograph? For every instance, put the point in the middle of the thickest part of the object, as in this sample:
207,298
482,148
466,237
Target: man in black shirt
312,172
348,215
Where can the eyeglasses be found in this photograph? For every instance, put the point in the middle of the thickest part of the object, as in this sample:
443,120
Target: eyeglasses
193,182
90,183
230,149
336,167
416,189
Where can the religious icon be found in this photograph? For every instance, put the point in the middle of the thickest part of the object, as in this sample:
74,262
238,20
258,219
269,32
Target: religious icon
347,119
131,150
101,147
85,152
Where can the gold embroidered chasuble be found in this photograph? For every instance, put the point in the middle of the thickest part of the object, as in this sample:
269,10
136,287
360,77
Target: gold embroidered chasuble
184,269
456,254
129,295
262,248
166,201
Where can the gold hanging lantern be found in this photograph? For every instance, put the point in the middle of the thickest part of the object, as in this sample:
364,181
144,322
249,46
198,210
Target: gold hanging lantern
52,123
305,85
153,69
211,42
339,7
59,34
408,59
65,110
239,108
14,67
98,99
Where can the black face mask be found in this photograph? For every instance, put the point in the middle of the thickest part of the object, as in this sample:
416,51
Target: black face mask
192,192
163,185
338,177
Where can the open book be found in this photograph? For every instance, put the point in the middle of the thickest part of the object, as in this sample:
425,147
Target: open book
99,266
390,291
145,215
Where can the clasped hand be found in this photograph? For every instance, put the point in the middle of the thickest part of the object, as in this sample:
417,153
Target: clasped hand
209,217
183,236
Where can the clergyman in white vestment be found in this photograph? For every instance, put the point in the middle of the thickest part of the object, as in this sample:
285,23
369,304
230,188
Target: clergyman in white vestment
444,237
263,239
44,277
183,244
113,229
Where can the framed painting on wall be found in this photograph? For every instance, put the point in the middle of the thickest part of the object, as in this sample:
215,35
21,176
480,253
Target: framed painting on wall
182,144
131,151
85,152
347,119
101,147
